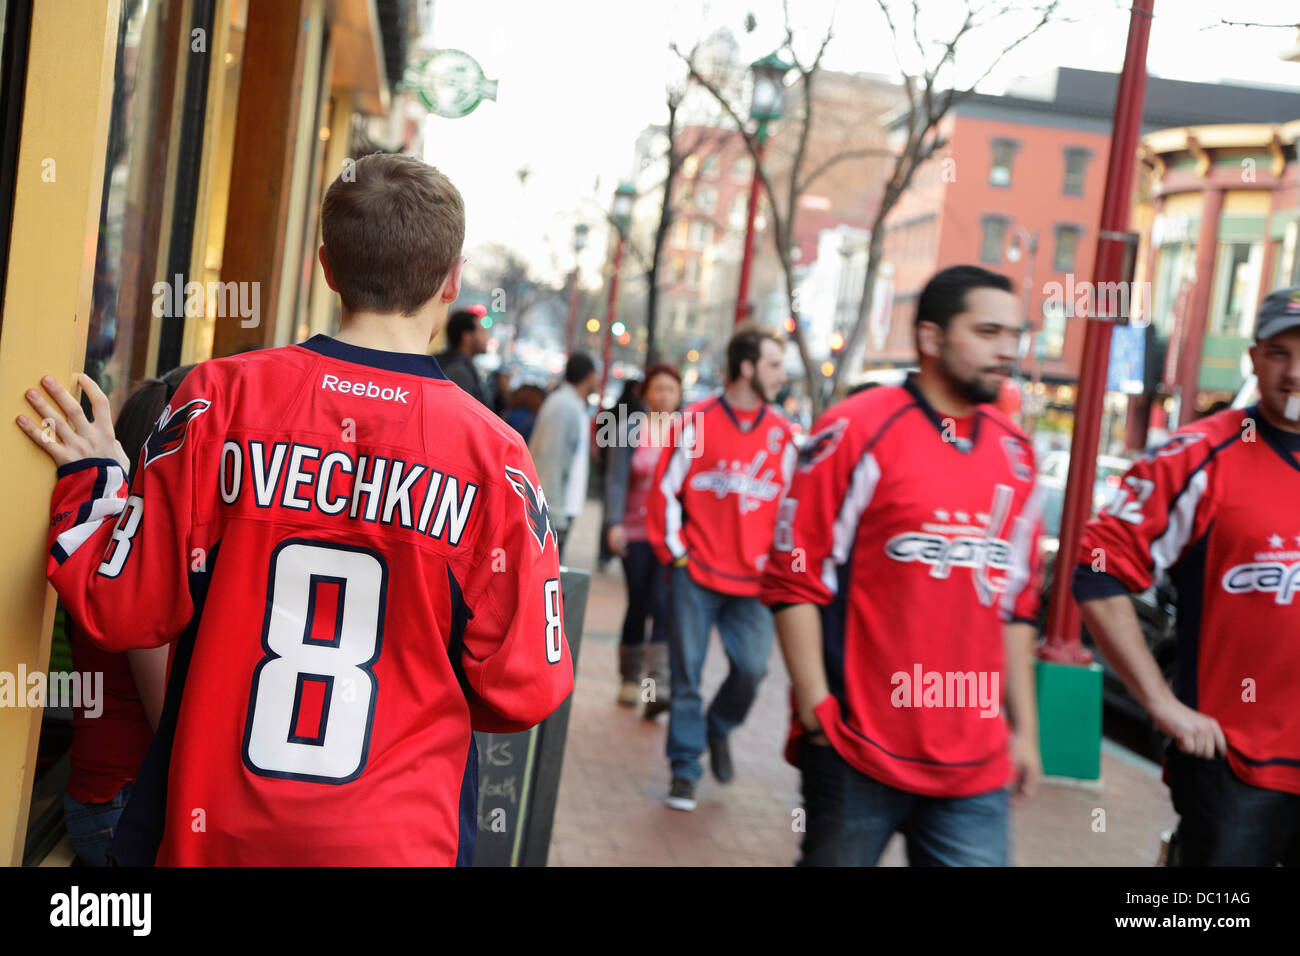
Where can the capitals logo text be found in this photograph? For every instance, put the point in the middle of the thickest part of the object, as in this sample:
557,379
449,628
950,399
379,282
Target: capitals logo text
753,483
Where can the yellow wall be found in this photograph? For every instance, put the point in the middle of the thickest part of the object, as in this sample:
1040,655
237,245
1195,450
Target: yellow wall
46,311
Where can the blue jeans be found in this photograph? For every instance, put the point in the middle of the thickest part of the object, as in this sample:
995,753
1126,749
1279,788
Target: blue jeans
746,630
91,825
851,817
1224,821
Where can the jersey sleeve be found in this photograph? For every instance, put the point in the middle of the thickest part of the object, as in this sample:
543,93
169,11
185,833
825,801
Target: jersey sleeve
1160,510
119,557
1024,589
663,502
515,657
834,482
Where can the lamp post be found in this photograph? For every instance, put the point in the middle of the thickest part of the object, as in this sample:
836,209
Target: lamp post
579,243
624,196
1026,243
766,105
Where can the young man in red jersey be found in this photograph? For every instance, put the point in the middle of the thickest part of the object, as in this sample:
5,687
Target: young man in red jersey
352,556
902,577
710,514
1218,507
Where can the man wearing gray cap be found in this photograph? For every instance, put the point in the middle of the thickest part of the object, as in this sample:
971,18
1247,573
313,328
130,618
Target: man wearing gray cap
1217,506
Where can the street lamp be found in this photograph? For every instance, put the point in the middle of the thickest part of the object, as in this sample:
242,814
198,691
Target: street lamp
579,243
766,105
621,216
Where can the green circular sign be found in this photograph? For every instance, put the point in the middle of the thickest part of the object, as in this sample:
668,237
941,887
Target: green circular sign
450,83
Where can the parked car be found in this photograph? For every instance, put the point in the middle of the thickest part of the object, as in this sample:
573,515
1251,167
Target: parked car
1156,607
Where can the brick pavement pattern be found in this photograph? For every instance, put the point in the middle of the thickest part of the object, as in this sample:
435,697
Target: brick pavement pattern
610,810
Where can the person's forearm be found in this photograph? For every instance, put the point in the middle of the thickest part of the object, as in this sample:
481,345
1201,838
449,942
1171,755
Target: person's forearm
1114,626
799,630
1022,707
149,669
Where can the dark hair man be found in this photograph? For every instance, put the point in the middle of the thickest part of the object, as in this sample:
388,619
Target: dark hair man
710,514
1217,506
313,527
466,338
900,576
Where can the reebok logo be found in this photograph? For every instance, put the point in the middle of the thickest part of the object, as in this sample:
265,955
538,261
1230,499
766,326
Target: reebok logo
366,389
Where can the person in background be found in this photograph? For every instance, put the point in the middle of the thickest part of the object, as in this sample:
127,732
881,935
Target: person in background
711,512
107,750
525,403
500,391
621,414
466,338
561,443
629,473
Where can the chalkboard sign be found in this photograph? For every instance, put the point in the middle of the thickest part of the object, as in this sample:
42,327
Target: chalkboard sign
519,774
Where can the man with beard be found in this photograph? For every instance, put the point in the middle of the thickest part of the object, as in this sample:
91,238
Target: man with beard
709,515
903,578
1217,506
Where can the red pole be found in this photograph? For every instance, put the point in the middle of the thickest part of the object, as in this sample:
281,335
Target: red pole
1063,643
609,319
742,295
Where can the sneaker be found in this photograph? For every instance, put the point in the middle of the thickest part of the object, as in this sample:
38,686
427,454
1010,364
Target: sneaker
629,694
720,759
682,794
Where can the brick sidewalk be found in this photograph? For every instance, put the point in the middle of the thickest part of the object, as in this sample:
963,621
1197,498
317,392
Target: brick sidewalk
611,811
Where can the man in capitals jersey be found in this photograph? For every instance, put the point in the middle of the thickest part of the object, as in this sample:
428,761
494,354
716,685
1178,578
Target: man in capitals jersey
709,514
1218,507
903,576
351,555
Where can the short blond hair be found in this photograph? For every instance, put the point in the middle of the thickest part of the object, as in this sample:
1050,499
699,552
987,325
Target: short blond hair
392,227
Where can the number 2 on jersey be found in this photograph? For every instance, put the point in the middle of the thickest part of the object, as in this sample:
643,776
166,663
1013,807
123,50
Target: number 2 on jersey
313,696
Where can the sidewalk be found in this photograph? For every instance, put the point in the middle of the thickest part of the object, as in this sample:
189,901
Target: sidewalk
611,812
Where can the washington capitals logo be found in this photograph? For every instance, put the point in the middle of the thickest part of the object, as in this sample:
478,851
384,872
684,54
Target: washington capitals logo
535,507
169,434
820,445
1018,458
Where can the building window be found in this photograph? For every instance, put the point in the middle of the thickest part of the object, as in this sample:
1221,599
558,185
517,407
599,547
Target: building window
1004,151
681,232
701,234
679,270
1067,245
693,272
706,198
1076,161
739,208
690,166
1236,288
995,228
709,168
742,170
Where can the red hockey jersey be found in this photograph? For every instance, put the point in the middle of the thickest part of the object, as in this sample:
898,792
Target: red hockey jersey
1218,507
359,565
716,490
917,537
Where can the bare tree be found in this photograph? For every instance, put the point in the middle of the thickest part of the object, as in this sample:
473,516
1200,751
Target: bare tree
515,291
784,205
928,103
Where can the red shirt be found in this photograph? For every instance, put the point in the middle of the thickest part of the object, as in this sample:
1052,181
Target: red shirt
107,750
641,473
1218,507
919,545
716,491
364,570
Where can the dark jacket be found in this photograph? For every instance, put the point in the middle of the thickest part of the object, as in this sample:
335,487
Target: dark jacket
460,369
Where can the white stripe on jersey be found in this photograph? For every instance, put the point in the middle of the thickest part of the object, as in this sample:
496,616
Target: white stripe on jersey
671,486
862,486
107,505
1167,548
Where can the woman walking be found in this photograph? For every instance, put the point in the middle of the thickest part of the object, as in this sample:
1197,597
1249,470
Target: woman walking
629,472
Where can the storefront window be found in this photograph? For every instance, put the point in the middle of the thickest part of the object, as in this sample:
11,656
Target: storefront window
1172,270
1236,288
132,213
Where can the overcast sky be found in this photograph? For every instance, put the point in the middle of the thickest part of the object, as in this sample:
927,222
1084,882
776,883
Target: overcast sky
579,79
